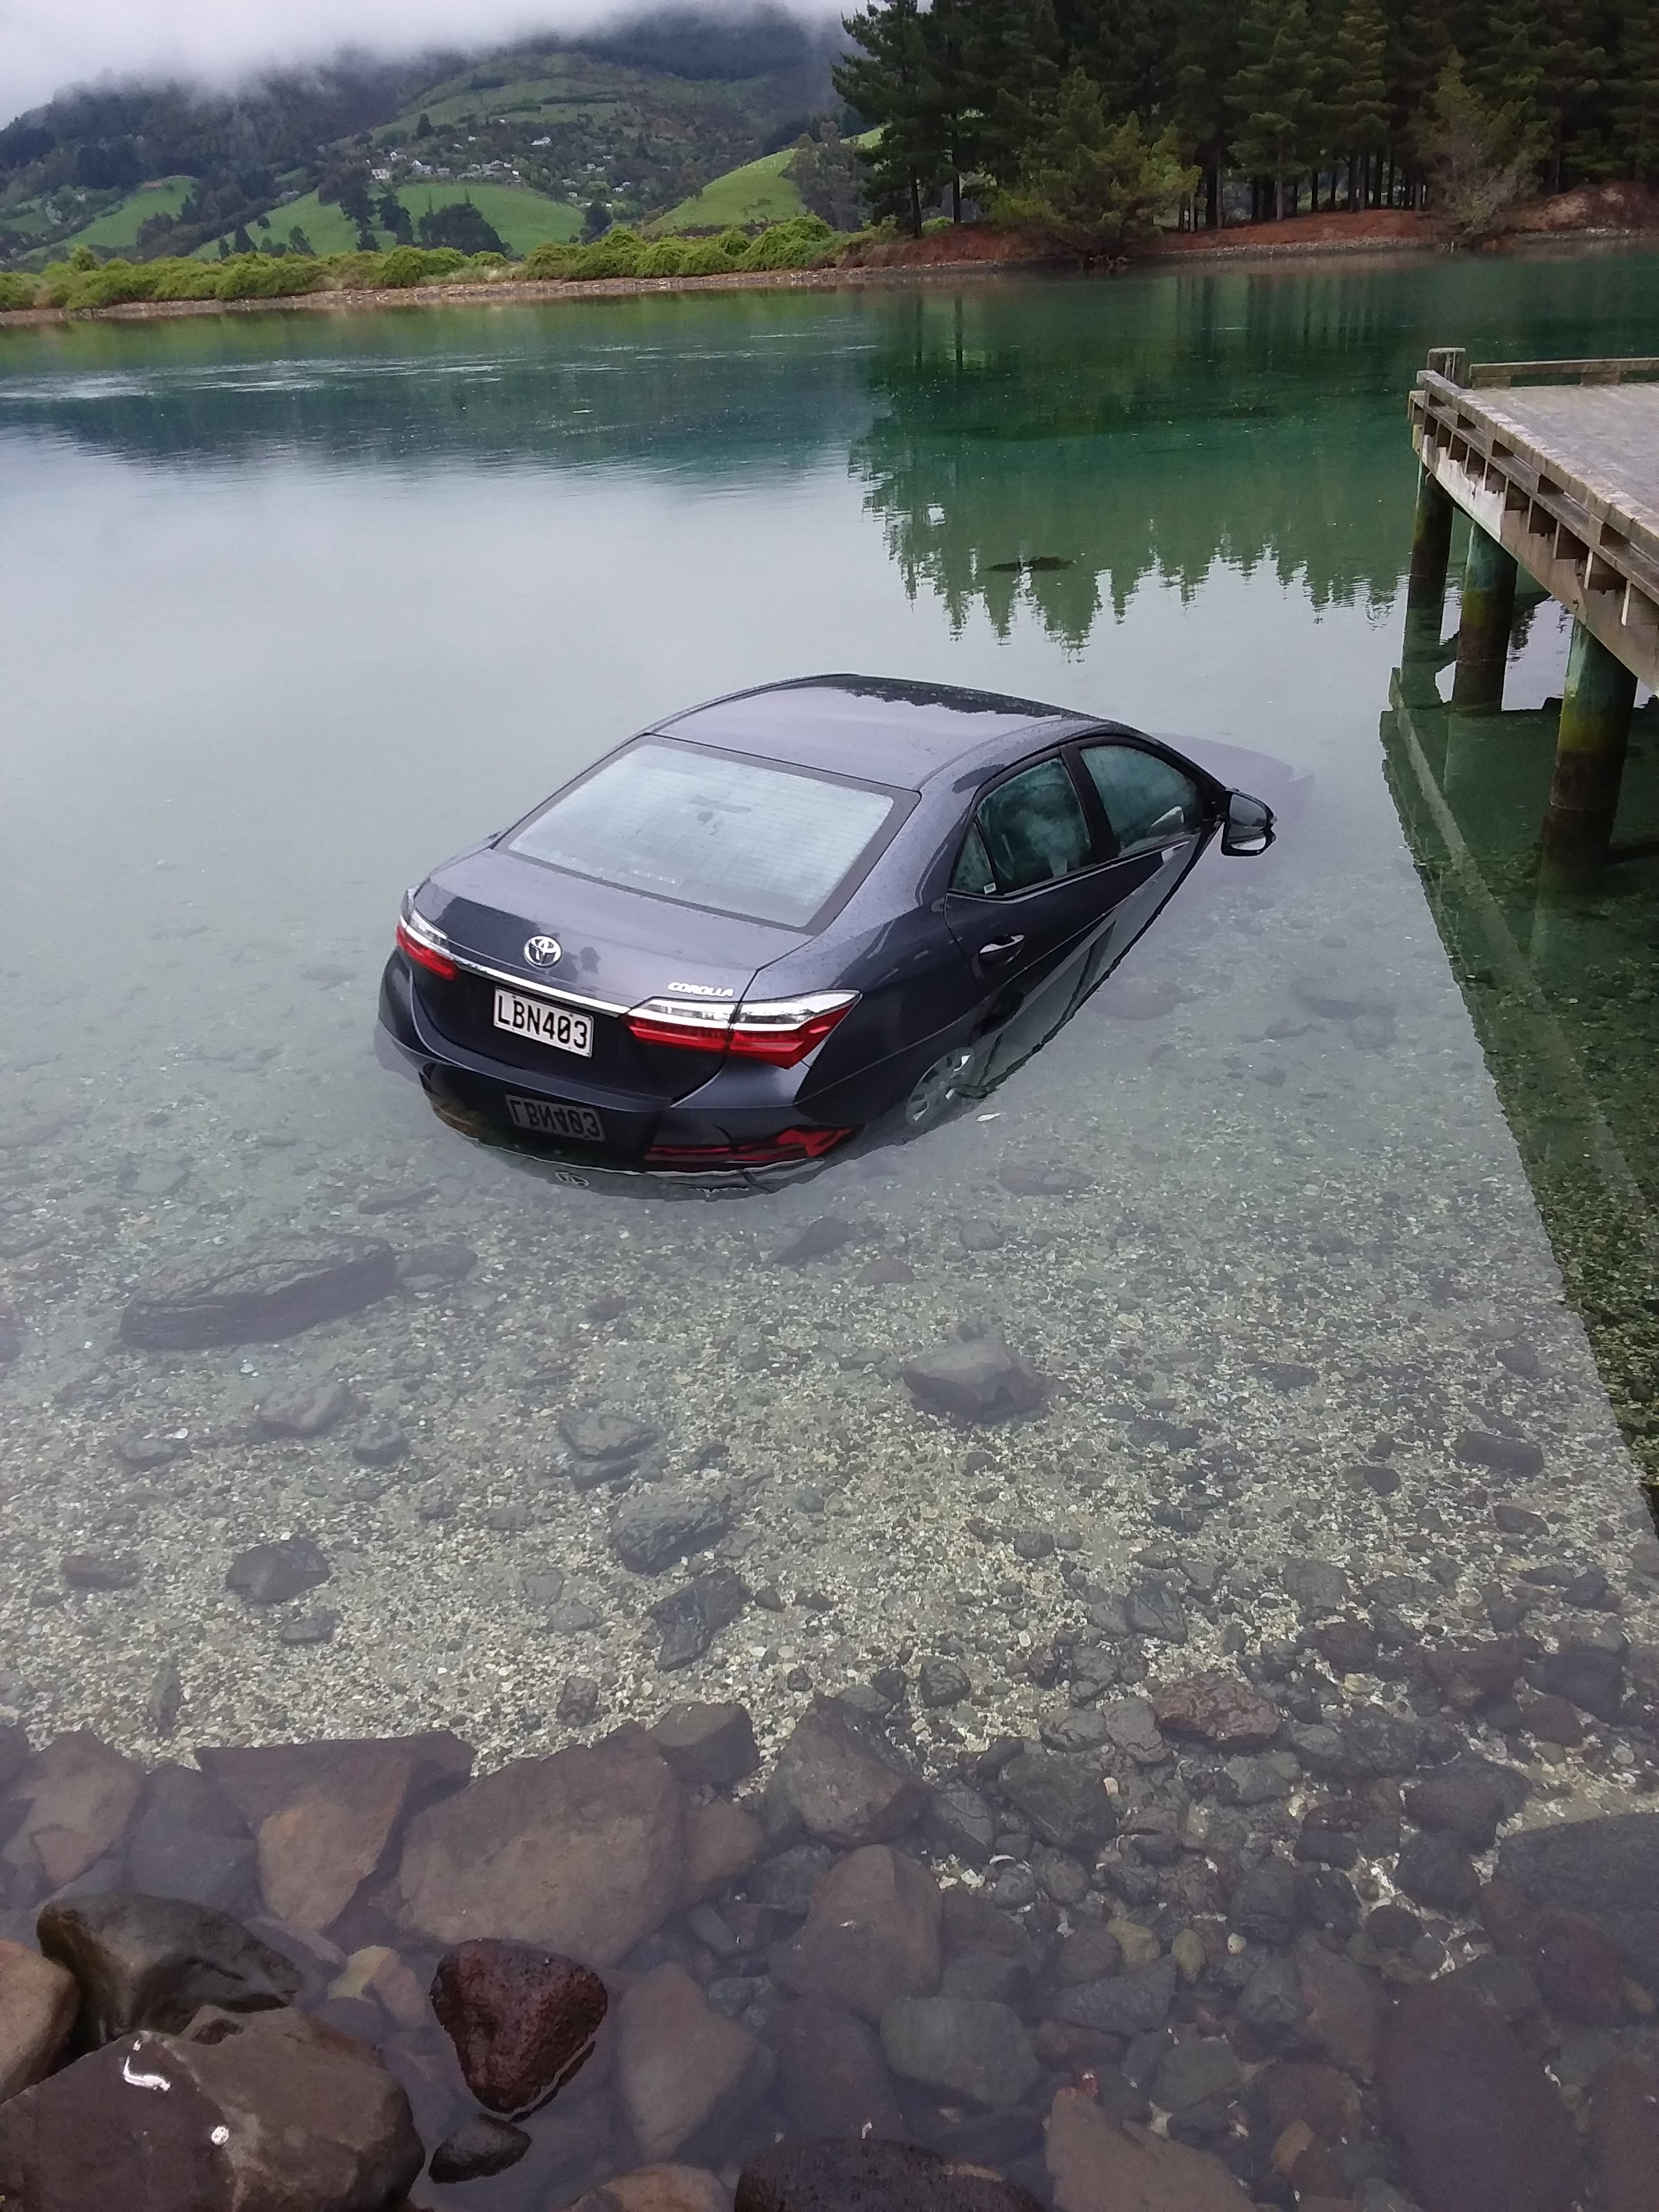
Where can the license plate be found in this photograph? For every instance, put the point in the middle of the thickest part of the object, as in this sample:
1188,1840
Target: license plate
562,1027
548,1119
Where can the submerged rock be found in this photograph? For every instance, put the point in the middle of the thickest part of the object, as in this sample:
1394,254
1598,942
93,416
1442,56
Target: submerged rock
707,1743
480,2146
649,1536
241,2113
831,2074
1608,1868
682,2072
1220,1710
842,1779
833,2177
270,1574
522,2020
152,1962
973,2047
278,1289
69,1806
1099,2164
580,1853
872,1934
39,2000
691,1617
982,1381
1483,2126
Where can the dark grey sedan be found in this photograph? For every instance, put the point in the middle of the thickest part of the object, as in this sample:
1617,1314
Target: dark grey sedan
822,910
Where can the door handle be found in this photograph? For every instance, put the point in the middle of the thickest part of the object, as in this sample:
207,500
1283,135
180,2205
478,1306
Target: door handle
1002,949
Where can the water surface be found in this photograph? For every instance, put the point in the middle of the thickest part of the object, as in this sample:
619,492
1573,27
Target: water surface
297,606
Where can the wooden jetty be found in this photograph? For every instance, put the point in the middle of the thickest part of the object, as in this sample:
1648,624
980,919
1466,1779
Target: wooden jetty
1556,464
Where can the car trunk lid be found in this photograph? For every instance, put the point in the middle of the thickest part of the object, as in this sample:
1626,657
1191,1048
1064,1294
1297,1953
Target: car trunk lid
616,950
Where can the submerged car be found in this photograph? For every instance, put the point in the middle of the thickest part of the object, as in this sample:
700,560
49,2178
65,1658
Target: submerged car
772,925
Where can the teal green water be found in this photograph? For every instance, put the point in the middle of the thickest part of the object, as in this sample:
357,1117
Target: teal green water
295,607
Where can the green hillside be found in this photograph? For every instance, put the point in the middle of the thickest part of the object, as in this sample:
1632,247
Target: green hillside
116,228
758,193
520,217
636,117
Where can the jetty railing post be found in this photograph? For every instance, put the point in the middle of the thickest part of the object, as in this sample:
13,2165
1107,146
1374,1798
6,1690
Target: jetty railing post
1483,627
1589,763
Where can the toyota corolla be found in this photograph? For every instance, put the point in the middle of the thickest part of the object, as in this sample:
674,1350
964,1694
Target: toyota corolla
790,918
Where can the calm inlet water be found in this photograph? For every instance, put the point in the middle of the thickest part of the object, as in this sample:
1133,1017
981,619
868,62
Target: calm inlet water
295,607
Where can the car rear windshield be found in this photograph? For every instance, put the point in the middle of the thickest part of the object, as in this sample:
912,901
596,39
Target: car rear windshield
737,837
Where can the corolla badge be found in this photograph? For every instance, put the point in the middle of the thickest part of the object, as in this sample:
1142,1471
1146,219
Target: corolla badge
543,951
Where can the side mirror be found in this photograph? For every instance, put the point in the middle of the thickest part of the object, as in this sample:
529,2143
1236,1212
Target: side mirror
1248,829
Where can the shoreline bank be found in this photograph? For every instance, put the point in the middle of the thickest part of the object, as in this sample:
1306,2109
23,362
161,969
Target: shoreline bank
1405,233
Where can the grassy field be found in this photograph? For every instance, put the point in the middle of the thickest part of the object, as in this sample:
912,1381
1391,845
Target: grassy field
114,230
758,193
523,218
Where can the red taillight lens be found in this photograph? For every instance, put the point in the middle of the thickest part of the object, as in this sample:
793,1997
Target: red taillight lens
781,1032
762,1152
784,1030
703,1025
423,955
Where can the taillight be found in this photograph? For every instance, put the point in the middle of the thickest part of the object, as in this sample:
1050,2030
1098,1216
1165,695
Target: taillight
784,1030
760,1152
701,1024
781,1032
423,954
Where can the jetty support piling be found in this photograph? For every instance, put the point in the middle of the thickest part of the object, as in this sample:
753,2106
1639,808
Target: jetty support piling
1483,627
1590,744
1425,587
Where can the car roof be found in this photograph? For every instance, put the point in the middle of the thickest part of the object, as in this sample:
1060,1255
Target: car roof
882,728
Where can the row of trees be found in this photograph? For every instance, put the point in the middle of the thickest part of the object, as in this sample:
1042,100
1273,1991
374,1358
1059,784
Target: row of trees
1355,101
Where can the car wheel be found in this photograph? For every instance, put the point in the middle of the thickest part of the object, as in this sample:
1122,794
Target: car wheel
937,1089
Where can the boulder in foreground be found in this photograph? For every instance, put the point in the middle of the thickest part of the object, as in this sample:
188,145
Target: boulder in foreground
522,2021
257,2112
153,1962
579,1853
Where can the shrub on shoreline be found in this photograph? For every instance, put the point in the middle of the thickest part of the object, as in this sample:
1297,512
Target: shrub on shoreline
802,242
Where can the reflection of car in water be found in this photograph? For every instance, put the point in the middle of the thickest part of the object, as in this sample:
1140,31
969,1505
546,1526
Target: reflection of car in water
820,912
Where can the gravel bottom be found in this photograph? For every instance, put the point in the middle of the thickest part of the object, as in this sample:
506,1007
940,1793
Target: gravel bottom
1285,1260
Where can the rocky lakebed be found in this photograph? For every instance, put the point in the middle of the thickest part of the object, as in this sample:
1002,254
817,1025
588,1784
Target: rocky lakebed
1109,1657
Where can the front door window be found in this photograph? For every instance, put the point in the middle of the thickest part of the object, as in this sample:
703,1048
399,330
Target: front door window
1147,802
1030,831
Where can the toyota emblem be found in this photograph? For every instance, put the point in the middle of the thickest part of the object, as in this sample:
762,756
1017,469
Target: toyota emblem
543,951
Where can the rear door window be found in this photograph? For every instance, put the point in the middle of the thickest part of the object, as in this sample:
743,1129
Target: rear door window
1147,802
733,835
1028,832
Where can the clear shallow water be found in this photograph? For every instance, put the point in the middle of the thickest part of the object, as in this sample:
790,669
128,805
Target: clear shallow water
295,608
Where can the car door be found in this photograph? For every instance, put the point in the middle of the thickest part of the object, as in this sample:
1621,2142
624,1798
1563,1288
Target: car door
1160,815
1024,891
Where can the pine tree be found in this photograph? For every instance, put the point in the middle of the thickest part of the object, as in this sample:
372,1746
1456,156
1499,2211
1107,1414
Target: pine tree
1636,91
1419,45
1205,57
888,82
1013,51
1125,45
953,96
1273,94
1358,95
1573,66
